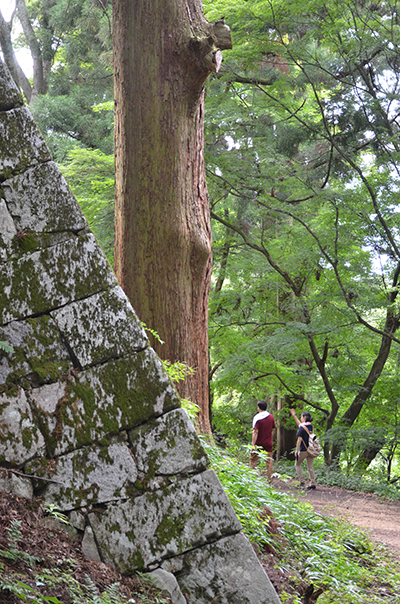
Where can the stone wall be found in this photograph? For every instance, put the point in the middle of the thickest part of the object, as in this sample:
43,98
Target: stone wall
86,409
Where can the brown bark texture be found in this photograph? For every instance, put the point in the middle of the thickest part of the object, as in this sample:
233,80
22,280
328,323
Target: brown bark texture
162,51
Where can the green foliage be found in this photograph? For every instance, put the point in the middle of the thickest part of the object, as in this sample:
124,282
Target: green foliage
6,347
13,553
90,174
304,188
324,551
52,511
76,41
177,371
33,588
191,408
371,481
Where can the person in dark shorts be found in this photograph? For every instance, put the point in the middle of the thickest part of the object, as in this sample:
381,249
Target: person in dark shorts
305,429
263,436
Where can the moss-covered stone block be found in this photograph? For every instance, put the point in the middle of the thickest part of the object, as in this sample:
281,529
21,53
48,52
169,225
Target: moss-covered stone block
7,232
138,533
227,572
20,438
103,401
52,277
9,94
40,200
109,318
39,355
21,144
168,445
90,475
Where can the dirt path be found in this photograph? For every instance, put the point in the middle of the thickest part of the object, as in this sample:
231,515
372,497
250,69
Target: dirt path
381,518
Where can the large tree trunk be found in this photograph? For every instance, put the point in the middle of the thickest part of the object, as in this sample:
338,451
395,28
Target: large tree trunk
164,50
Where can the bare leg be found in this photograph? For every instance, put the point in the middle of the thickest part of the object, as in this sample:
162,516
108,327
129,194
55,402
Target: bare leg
310,469
300,458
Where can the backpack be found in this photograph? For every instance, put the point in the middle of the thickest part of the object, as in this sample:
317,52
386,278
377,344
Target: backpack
314,447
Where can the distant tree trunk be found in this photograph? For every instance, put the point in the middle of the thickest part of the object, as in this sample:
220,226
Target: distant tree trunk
351,414
39,74
164,50
10,59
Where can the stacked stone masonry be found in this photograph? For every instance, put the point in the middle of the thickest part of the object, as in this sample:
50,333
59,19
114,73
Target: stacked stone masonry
86,409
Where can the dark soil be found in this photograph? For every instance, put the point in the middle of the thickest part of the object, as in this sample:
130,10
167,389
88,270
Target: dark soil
55,549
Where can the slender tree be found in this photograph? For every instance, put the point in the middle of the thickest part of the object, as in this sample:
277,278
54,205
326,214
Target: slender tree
164,50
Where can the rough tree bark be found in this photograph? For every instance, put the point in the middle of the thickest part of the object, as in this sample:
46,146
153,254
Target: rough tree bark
164,50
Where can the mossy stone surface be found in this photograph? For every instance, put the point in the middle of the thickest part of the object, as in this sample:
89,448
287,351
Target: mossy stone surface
109,318
10,96
168,445
91,475
227,572
21,144
51,277
20,437
104,401
40,200
39,355
138,533
7,231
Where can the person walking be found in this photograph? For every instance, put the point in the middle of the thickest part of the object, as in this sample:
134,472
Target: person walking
305,429
263,437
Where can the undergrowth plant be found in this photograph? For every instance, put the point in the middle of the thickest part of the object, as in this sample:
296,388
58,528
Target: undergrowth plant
324,551
37,585
371,481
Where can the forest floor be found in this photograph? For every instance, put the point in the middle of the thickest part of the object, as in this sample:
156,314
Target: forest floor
377,516
381,518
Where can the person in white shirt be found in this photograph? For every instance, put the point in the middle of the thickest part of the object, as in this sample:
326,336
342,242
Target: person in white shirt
263,436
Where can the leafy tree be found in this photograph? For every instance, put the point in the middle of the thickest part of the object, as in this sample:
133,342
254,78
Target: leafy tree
303,174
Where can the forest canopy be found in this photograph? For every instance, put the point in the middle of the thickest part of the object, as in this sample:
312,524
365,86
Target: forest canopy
302,159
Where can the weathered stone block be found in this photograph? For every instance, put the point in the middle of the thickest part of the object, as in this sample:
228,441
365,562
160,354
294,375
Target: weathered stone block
227,572
77,520
7,232
167,582
89,547
55,523
168,445
109,318
20,438
39,355
91,475
139,532
21,144
52,277
9,94
40,200
103,400
17,485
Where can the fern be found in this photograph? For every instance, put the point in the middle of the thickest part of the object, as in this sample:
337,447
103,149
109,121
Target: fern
6,347
14,553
